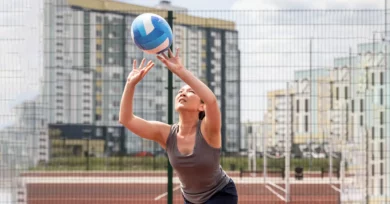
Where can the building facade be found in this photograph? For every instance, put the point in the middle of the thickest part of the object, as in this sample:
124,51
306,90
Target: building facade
344,109
89,53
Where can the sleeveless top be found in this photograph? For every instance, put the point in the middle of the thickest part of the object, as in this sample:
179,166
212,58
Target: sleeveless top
200,172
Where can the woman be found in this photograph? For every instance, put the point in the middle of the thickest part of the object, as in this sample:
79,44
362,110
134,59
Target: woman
193,144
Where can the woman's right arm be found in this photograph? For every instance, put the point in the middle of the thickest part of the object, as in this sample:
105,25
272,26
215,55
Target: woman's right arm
151,130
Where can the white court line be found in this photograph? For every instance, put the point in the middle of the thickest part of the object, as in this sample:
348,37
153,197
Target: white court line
335,188
276,186
274,192
166,193
158,180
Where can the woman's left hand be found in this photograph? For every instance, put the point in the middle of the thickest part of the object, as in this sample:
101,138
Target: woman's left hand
173,63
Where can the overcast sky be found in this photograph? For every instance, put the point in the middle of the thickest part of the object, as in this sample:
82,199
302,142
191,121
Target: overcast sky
21,45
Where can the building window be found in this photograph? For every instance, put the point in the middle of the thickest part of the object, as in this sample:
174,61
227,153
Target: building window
337,93
381,118
373,132
298,106
381,78
115,117
361,105
115,103
116,76
361,120
381,96
98,47
98,19
306,123
381,133
381,168
373,79
381,150
98,117
99,132
86,115
381,186
98,33
306,105
353,106
346,93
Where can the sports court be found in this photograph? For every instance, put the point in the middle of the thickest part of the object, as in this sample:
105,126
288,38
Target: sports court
85,188
302,88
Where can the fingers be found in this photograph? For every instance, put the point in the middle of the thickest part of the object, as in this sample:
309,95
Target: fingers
142,63
162,58
134,64
177,52
148,68
170,53
165,56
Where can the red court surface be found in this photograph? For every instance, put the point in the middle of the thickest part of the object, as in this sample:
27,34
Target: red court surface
146,193
123,187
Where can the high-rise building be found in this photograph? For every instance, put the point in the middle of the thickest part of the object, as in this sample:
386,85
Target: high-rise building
89,53
347,108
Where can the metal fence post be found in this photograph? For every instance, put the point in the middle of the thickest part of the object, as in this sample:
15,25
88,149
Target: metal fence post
170,116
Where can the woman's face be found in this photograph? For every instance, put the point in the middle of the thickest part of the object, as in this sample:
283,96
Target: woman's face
187,100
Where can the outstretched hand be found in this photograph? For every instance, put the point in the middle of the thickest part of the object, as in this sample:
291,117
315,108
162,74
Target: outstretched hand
136,75
173,63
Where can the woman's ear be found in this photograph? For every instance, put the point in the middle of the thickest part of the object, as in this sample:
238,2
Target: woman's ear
202,107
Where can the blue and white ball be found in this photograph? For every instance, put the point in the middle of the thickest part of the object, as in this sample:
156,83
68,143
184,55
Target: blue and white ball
151,33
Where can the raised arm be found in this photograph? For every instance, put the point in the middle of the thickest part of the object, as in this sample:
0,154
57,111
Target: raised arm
151,130
212,120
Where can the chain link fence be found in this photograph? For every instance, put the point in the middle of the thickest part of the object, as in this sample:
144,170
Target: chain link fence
303,96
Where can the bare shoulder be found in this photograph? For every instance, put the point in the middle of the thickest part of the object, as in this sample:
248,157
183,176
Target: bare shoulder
213,138
165,129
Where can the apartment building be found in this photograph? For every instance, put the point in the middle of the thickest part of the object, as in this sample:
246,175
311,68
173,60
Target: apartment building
89,53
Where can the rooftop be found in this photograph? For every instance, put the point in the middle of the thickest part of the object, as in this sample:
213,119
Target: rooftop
180,18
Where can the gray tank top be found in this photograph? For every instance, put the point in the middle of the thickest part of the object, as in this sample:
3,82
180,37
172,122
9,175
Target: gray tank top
200,173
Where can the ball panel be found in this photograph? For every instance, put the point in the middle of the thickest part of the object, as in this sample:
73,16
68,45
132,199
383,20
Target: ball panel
148,25
149,38
162,47
139,26
161,24
156,42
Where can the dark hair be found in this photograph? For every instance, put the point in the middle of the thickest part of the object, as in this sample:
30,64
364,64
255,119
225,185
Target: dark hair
202,114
